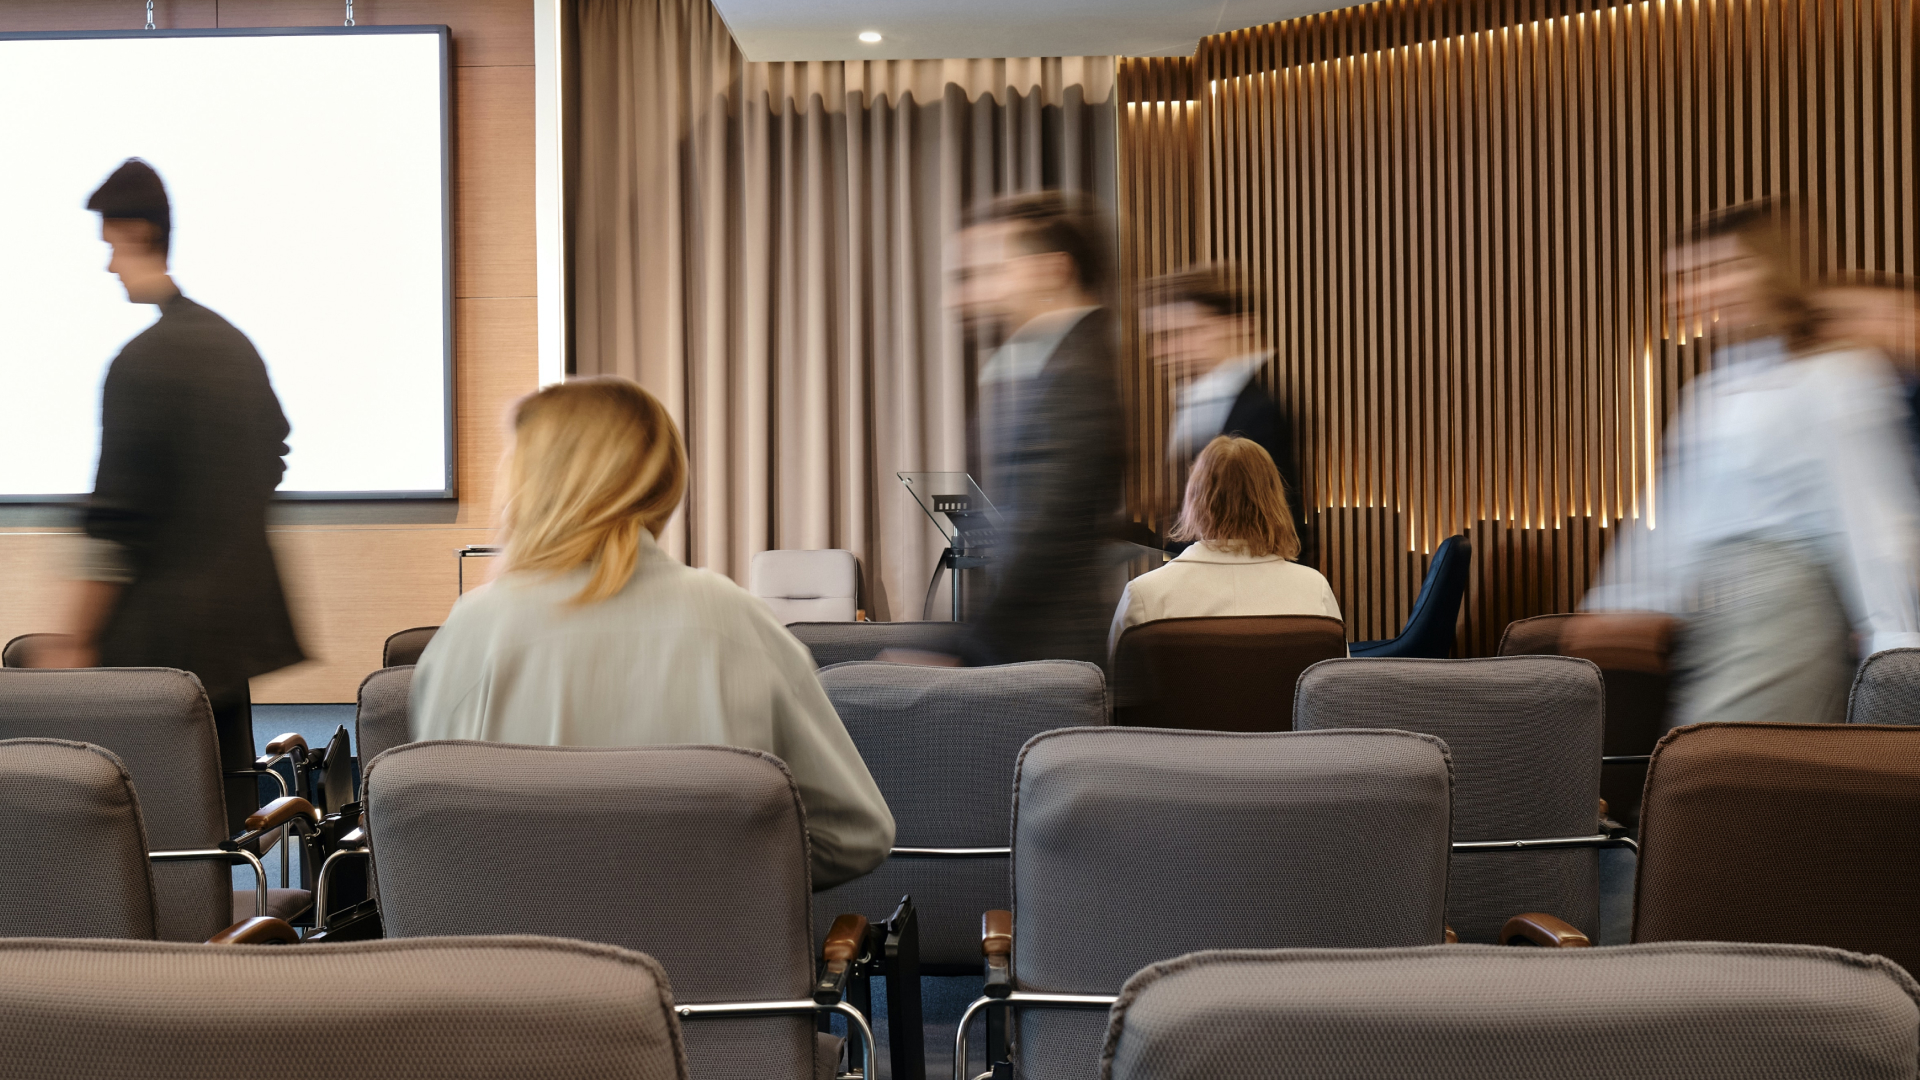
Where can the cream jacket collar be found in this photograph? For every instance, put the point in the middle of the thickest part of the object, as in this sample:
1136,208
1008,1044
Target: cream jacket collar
1207,552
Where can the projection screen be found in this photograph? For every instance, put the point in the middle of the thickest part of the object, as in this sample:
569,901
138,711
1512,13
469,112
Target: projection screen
308,172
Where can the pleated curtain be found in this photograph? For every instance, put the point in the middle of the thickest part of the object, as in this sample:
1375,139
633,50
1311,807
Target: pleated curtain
764,246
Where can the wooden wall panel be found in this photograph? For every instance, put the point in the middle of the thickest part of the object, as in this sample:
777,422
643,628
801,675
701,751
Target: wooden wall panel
357,572
1452,215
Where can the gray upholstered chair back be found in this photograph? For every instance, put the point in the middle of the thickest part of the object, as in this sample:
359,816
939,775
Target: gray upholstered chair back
381,712
1525,733
156,721
73,855
1135,845
1886,690
1695,1009
696,856
473,1007
835,643
941,744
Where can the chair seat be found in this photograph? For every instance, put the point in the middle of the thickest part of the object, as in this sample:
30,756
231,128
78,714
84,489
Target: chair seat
281,904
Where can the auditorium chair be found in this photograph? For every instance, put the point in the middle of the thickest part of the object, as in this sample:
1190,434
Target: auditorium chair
1219,673
19,650
1695,1009
1429,628
74,861
1886,689
696,856
1632,650
1757,832
405,647
807,586
1137,845
157,721
380,717
506,1006
1524,733
838,643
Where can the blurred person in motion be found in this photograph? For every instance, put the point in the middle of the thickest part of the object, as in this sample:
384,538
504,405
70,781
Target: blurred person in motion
1242,543
1034,268
592,636
1785,523
1199,328
177,571
1878,311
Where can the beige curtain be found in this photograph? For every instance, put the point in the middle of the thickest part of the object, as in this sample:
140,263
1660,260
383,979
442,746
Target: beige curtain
763,246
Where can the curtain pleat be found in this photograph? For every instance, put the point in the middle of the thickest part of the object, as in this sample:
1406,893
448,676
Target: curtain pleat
763,246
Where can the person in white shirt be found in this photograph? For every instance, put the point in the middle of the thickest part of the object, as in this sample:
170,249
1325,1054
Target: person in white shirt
1240,563
1787,524
593,636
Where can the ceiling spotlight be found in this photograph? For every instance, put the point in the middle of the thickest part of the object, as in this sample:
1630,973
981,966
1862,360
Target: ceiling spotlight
871,37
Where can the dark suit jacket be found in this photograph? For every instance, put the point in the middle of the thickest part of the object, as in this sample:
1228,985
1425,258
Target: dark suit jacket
1054,473
191,446
1256,416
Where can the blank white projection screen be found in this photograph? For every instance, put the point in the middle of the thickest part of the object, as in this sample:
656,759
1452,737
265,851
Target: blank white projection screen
306,175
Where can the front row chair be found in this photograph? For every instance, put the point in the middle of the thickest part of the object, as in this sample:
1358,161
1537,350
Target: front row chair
1429,629
405,647
811,586
696,856
20,649
838,643
1756,832
1695,1009
465,1007
1223,673
1133,845
74,861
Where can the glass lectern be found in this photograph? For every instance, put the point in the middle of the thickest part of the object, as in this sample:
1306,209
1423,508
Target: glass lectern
965,518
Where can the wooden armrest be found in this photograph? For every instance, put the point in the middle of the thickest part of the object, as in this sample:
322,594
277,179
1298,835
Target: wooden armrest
1451,937
254,930
845,941
287,741
1540,929
279,812
996,933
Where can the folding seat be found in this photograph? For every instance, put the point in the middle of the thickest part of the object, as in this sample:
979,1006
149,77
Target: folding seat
1218,673
695,855
1783,833
1695,1009
1632,655
74,861
1886,689
1525,734
405,647
1136,845
157,721
515,1006
837,643
814,586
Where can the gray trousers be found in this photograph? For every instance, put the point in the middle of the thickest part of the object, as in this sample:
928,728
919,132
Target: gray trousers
1770,642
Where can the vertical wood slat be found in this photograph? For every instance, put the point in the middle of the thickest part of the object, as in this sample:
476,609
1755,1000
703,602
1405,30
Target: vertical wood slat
1452,215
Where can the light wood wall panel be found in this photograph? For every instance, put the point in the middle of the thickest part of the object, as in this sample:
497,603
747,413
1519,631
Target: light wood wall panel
1452,216
357,572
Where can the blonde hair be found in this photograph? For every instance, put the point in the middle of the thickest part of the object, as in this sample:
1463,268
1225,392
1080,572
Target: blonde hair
1236,499
594,462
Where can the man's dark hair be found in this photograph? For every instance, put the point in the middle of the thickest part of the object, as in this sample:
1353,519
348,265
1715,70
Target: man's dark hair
134,192
1211,288
1051,221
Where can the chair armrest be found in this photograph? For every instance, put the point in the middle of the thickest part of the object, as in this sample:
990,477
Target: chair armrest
845,946
285,742
1540,929
254,930
996,943
280,812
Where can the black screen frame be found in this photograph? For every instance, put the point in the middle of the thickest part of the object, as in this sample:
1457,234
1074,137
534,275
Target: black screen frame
450,491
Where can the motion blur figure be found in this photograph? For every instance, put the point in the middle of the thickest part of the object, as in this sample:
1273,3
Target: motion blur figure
1785,528
1035,268
177,572
1880,311
1199,328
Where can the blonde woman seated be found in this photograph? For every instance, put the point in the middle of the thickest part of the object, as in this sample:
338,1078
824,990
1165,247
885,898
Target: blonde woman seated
1240,564
593,636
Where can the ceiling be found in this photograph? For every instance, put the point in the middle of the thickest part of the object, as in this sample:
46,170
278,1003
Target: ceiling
951,29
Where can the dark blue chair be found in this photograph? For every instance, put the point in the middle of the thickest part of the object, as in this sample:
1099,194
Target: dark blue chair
1429,630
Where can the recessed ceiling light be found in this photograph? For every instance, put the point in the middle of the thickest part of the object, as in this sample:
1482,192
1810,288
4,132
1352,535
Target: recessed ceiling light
871,37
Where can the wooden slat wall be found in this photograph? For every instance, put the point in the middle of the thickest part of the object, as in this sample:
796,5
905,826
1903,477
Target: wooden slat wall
1452,214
